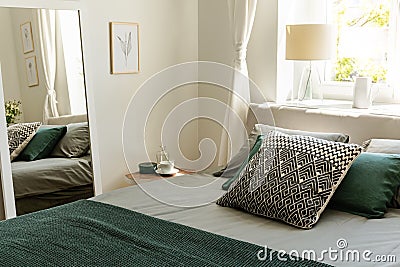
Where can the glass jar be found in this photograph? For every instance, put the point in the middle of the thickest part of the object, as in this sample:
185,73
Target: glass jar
162,155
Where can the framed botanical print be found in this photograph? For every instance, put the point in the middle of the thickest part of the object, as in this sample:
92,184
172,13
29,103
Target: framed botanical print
31,71
27,39
124,47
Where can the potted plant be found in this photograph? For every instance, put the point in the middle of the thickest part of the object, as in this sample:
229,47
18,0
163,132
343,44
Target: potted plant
13,111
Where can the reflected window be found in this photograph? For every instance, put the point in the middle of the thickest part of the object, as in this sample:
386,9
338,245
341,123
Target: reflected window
69,27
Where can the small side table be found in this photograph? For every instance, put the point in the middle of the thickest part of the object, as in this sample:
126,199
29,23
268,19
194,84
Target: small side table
139,178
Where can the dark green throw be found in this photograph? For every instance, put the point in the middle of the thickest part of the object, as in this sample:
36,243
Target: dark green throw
89,233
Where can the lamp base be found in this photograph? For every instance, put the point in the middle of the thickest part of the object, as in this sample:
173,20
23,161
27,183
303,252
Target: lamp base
309,83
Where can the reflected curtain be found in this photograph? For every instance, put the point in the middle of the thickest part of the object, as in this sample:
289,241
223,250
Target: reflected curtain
394,48
241,19
47,35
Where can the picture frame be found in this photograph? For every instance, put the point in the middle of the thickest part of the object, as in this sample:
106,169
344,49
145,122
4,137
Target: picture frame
31,71
124,47
27,38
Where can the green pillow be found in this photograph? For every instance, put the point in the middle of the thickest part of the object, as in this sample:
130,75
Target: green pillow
369,185
253,151
43,143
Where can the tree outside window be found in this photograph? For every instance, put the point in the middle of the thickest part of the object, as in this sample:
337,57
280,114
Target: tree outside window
362,39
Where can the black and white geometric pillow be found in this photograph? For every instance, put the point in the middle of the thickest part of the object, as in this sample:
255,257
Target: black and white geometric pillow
19,136
291,178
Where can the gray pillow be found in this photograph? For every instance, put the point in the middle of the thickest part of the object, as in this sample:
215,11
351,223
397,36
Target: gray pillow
261,129
335,137
234,164
75,142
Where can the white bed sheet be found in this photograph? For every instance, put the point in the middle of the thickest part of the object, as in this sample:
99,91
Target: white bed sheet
380,236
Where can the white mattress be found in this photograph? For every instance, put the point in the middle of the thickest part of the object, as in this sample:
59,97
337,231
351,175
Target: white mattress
380,236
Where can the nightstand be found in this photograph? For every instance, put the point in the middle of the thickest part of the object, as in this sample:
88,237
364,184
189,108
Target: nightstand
139,178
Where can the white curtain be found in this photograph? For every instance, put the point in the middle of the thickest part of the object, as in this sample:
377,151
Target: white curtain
394,48
241,19
47,35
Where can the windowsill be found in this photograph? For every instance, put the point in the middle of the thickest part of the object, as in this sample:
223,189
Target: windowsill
380,92
344,107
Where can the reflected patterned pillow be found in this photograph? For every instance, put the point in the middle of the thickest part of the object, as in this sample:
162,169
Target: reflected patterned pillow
291,178
19,136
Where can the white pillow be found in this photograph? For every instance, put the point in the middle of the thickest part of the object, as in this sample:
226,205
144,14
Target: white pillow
386,146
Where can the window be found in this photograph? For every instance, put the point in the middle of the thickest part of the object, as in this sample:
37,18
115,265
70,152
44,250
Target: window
367,43
362,41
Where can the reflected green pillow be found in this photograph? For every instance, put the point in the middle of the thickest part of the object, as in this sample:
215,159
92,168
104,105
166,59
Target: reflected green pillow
369,185
43,143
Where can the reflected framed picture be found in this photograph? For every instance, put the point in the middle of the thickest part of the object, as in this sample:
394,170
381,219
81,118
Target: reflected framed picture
124,47
31,71
27,39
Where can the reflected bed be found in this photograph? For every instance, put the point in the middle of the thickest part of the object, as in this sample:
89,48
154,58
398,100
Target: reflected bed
50,182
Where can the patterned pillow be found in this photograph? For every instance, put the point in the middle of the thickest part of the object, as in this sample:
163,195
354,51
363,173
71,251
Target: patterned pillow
19,136
291,178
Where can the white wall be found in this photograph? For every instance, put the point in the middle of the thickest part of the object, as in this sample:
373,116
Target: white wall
32,97
8,57
13,61
214,45
168,36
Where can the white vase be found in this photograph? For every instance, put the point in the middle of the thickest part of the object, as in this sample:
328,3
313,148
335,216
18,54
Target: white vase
362,92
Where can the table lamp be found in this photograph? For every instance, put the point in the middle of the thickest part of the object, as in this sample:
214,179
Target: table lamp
308,42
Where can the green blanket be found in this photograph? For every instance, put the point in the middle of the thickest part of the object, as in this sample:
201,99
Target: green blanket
89,233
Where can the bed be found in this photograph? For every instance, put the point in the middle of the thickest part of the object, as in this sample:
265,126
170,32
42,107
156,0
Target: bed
176,222
380,236
70,236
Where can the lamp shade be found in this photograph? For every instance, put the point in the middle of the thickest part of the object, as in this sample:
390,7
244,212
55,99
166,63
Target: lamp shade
309,42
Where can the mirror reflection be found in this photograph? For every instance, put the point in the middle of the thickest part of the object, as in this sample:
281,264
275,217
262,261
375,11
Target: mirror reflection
43,80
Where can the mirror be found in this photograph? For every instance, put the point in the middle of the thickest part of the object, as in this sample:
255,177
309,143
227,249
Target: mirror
43,81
